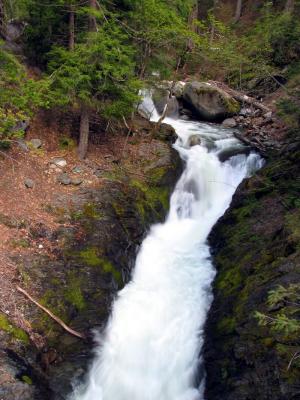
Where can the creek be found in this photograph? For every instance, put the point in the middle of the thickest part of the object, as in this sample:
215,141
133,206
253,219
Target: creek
151,348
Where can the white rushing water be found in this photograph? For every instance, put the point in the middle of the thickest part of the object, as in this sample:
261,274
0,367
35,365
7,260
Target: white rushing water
151,347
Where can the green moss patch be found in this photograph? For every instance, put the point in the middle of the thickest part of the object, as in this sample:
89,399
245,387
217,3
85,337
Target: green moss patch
14,332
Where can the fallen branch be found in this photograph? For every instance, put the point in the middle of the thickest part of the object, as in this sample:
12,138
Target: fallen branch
159,122
56,319
295,356
249,100
241,97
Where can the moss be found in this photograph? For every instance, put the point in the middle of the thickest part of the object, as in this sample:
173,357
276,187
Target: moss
226,325
24,243
230,279
151,197
108,267
89,211
232,106
119,209
14,332
66,143
26,379
89,256
292,221
157,174
73,293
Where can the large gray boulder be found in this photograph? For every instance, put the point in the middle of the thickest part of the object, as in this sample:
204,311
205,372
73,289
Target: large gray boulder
209,102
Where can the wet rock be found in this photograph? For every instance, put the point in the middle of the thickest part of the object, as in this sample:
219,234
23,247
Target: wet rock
225,154
178,89
64,179
161,99
59,162
209,102
229,123
194,140
29,183
36,143
186,112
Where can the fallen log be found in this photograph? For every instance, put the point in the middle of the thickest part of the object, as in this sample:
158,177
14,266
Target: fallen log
243,98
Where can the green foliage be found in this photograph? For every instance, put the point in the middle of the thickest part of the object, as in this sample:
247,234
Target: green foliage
19,97
99,73
271,42
160,32
287,300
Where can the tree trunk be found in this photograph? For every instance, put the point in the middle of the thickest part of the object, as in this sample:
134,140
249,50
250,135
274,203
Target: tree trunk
238,11
92,18
84,133
71,28
2,20
213,28
290,6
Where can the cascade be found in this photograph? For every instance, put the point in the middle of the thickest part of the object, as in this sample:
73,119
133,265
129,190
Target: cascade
151,348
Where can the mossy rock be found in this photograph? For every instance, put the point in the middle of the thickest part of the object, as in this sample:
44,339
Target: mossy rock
209,102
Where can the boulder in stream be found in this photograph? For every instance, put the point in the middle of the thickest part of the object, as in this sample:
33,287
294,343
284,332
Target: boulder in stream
209,102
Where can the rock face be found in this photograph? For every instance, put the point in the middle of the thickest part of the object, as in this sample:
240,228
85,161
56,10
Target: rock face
256,248
209,102
161,98
94,250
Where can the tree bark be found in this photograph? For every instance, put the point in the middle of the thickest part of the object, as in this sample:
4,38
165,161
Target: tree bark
213,28
238,11
2,20
71,28
92,18
290,6
84,132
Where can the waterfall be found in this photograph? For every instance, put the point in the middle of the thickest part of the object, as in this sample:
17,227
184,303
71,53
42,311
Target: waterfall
151,349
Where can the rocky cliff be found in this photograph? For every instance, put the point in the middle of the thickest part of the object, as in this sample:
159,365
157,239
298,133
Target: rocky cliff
256,249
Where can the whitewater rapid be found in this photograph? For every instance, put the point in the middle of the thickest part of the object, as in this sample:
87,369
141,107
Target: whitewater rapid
151,349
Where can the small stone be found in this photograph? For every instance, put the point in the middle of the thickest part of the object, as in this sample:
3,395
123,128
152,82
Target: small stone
229,123
245,112
29,183
77,170
76,181
268,115
41,246
64,179
99,173
59,162
36,143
